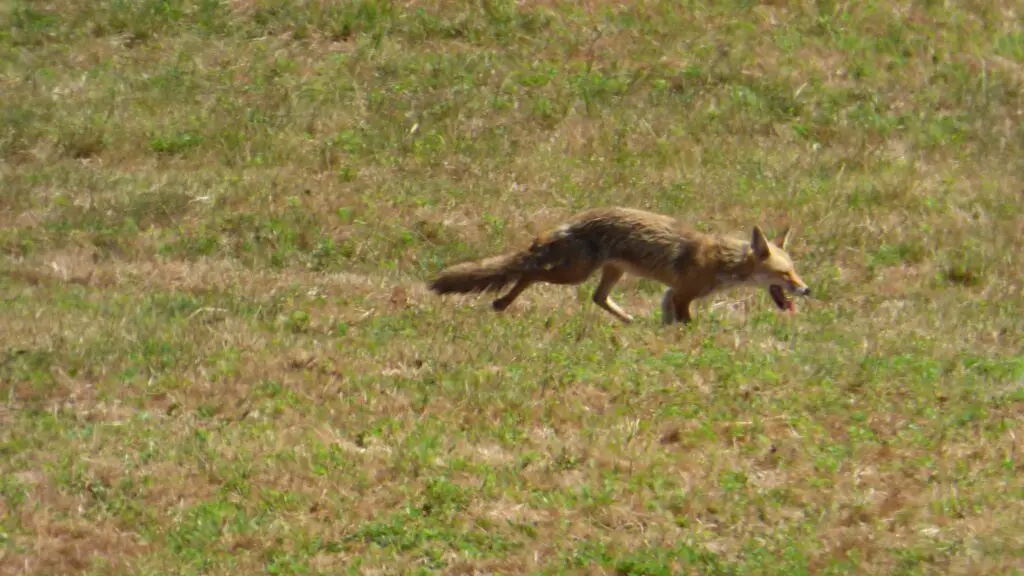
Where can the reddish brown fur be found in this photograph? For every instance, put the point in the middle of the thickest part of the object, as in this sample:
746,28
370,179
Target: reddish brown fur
624,240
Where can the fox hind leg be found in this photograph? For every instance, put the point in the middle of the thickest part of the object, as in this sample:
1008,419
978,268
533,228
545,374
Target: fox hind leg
566,273
525,281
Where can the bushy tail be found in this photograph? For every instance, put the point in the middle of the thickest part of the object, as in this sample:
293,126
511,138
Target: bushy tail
487,275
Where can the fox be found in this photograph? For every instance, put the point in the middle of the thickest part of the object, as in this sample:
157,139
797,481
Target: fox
619,241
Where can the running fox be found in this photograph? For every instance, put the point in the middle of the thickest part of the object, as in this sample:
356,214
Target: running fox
620,240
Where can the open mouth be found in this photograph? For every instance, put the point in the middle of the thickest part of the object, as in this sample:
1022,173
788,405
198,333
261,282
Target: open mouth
779,296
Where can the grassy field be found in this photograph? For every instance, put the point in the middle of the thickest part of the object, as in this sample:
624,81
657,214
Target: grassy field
217,354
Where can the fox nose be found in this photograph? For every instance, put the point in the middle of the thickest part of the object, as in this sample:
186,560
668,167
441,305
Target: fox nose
799,290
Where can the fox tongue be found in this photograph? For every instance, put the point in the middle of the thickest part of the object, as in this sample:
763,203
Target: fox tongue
780,298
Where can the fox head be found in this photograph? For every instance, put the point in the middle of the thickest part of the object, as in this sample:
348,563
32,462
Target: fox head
774,270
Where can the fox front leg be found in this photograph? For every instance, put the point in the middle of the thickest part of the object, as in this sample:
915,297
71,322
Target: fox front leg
675,307
668,310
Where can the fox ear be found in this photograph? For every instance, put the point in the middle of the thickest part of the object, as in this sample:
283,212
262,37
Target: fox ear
783,238
759,244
